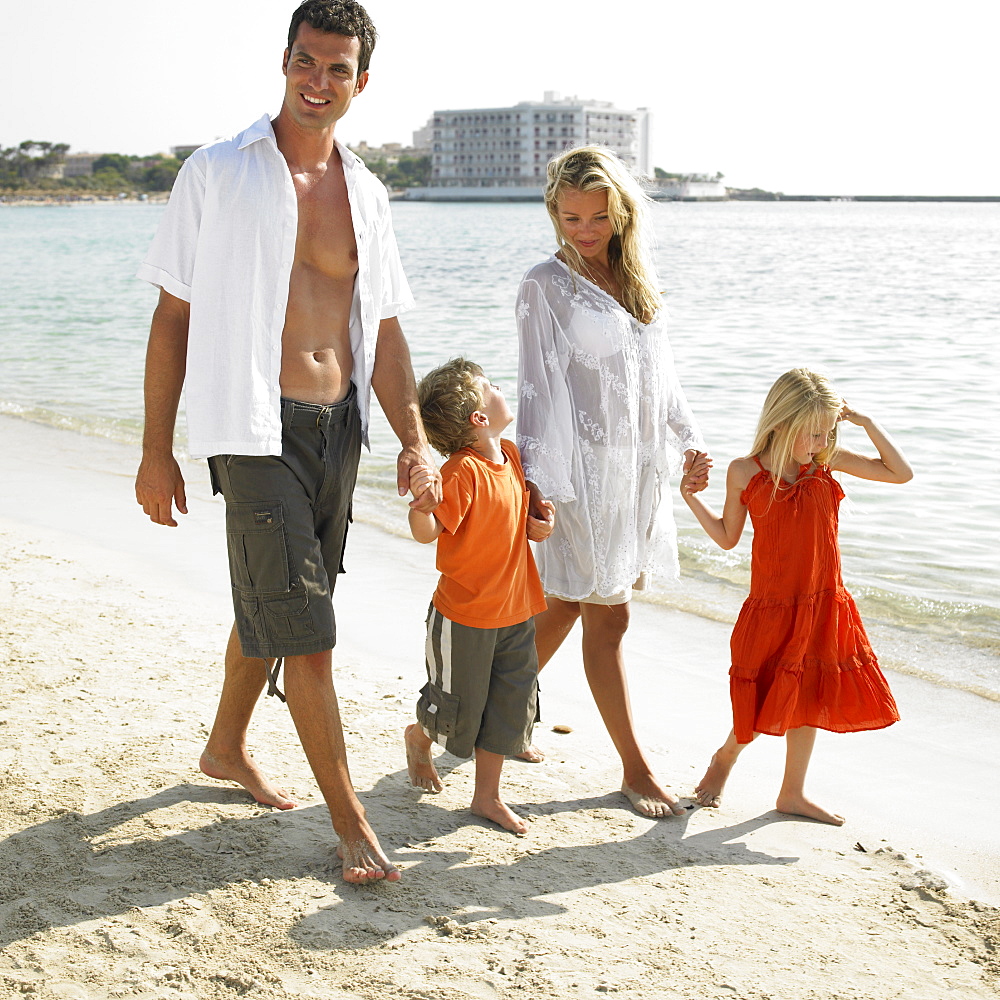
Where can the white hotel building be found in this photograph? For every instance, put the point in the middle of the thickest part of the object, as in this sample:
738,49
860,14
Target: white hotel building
477,149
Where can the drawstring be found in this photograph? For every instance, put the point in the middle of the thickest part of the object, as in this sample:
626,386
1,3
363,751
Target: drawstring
272,678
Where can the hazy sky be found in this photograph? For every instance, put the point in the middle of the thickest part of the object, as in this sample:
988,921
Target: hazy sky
873,97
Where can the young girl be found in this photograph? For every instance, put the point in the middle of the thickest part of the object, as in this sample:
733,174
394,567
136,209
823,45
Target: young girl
800,656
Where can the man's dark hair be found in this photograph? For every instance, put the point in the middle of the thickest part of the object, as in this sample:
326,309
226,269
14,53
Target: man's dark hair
338,17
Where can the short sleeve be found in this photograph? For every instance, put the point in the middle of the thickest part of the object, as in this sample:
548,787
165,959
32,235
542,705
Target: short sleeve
458,489
545,419
169,264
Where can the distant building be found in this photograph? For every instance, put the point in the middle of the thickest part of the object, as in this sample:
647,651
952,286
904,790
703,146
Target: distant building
510,147
183,152
388,151
80,164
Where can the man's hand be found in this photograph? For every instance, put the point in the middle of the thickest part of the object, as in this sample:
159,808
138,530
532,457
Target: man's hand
416,473
158,484
540,527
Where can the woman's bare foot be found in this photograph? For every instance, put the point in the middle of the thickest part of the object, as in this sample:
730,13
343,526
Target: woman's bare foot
799,805
243,769
650,799
532,755
363,860
419,764
497,811
709,789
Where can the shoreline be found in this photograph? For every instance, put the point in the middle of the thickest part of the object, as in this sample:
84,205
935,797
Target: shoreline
156,876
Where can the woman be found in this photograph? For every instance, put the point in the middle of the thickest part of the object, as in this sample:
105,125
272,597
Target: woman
602,422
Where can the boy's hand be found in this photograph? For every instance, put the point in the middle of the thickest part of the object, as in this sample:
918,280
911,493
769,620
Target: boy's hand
696,466
422,479
539,528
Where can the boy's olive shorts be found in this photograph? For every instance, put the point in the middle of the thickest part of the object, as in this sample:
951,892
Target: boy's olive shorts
482,686
286,527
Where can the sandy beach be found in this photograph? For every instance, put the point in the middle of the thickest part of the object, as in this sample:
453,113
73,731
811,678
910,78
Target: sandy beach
125,872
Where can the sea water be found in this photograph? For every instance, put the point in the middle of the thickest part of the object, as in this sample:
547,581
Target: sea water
898,303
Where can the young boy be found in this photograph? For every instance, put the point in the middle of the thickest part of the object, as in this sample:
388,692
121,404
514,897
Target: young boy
481,691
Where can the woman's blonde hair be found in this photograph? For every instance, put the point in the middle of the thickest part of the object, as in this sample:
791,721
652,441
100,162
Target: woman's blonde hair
798,401
596,168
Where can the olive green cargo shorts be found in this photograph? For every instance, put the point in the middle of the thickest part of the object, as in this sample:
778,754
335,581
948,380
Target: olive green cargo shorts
286,527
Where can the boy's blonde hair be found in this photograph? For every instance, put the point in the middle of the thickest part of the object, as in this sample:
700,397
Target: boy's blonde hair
798,401
448,396
597,168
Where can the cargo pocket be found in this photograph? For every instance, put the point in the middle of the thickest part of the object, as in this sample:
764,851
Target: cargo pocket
437,710
258,548
289,617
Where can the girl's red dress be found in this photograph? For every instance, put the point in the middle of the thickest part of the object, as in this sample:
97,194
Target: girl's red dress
800,655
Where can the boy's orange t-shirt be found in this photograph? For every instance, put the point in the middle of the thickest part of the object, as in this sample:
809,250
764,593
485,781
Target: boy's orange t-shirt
488,574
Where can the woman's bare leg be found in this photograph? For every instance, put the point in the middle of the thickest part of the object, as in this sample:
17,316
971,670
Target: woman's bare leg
604,628
551,628
792,799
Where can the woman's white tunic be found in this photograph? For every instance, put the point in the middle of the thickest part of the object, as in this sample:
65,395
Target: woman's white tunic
601,423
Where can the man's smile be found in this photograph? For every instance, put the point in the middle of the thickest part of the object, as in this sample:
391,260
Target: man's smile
315,100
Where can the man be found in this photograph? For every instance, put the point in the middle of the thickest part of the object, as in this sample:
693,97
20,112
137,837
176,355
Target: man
280,284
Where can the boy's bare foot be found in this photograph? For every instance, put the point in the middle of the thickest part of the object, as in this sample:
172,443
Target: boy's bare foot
650,799
419,764
709,789
243,769
499,812
363,860
799,805
532,755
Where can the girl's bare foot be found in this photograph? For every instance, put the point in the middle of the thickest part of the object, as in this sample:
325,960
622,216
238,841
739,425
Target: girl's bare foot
499,812
799,805
243,769
650,799
532,755
709,789
419,764
363,860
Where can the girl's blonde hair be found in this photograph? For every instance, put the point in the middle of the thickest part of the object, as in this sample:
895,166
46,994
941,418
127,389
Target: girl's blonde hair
798,401
596,168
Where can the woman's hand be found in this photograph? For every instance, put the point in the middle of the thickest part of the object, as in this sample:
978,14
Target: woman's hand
696,468
540,527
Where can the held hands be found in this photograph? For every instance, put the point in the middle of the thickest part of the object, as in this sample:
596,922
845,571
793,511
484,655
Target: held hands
696,468
541,521
425,485
416,474
158,485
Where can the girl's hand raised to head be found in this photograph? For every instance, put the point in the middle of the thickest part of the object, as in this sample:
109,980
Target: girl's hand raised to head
852,416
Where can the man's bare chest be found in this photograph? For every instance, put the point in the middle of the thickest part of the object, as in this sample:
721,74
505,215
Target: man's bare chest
325,235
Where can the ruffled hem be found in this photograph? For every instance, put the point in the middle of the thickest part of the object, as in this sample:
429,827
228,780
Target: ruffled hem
840,698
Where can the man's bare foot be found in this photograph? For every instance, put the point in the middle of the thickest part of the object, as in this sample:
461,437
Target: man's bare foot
532,755
499,812
709,789
799,805
243,769
363,860
650,799
419,764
